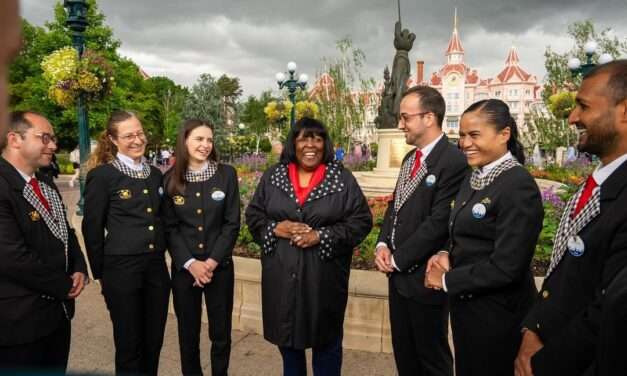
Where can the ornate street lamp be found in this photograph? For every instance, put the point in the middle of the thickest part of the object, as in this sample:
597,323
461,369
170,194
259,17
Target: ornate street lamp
292,84
590,49
77,23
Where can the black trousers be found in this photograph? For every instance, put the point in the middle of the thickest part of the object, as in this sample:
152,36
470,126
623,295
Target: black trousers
47,355
486,336
188,306
419,337
137,291
325,360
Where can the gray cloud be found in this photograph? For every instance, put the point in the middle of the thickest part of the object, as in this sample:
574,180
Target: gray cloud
255,39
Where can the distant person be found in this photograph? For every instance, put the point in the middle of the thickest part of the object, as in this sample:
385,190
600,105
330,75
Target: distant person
339,153
43,269
165,157
75,159
52,170
125,242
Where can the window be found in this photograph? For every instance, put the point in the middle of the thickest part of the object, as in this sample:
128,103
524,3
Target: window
497,93
513,92
452,123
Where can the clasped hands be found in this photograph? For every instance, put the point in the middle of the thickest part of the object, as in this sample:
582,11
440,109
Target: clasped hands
202,271
437,265
299,234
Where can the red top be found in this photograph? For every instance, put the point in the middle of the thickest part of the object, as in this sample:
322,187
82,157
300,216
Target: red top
316,178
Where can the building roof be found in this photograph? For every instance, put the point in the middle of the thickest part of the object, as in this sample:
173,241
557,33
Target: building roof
512,68
454,44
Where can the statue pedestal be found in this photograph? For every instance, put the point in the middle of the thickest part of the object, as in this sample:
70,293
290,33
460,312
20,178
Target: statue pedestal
392,149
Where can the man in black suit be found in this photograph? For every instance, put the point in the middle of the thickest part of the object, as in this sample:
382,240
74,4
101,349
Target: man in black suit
562,329
414,229
42,269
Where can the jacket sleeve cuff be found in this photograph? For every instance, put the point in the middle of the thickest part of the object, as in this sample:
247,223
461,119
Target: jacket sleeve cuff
269,239
326,244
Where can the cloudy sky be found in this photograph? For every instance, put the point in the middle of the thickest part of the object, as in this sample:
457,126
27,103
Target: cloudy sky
254,39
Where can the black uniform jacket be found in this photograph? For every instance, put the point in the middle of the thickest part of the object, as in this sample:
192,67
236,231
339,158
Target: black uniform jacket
304,291
33,280
421,227
204,221
491,253
611,359
566,314
128,209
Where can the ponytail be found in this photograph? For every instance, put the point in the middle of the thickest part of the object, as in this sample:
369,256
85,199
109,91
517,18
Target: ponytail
513,144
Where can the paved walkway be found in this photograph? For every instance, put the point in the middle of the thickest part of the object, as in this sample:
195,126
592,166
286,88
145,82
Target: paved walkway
92,348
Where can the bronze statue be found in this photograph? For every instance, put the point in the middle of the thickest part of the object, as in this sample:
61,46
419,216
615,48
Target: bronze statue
397,84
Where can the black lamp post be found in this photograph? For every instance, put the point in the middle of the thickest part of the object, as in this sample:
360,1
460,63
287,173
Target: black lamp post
77,23
590,49
292,84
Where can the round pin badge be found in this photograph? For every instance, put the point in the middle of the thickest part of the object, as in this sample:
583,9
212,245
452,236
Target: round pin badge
218,195
430,180
576,246
479,210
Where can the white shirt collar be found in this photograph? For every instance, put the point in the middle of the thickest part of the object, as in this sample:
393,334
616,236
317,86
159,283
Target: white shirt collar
130,163
601,173
427,149
204,167
26,177
487,168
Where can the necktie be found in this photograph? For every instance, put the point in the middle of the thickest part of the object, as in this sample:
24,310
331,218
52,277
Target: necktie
416,167
35,184
585,195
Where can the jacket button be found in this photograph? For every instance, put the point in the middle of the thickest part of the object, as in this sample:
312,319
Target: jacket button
198,211
151,228
538,325
603,292
151,246
545,294
199,228
293,275
197,194
200,245
145,191
149,210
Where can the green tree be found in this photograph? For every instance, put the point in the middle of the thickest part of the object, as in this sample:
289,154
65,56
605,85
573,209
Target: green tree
559,77
343,107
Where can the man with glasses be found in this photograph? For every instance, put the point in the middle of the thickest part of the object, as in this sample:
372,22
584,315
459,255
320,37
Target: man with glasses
42,269
414,229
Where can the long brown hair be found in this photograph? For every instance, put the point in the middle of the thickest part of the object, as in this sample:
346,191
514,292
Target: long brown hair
176,181
106,150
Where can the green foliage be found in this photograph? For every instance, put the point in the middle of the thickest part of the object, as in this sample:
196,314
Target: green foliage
343,110
558,76
29,91
562,103
252,112
548,131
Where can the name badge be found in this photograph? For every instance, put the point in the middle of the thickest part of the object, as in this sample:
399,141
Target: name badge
178,200
479,210
430,180
576,246
218,195
125,194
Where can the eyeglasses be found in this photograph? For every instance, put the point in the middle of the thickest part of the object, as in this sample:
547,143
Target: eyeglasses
46,137
130,137
407,117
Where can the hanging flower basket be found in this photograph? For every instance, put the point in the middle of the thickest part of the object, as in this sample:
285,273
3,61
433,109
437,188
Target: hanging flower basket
69,76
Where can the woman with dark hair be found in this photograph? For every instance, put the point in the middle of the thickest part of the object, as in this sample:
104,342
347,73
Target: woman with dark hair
125,242
495,222
307,214
202,217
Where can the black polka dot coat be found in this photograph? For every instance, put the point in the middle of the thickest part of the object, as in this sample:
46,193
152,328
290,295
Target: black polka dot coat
304,291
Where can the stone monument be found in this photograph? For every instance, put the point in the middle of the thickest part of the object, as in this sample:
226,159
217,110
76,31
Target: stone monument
391,141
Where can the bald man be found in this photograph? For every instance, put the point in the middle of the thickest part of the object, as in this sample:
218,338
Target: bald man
10,42
42,269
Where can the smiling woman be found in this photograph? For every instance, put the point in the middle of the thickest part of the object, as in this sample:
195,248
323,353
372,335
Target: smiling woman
307,214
